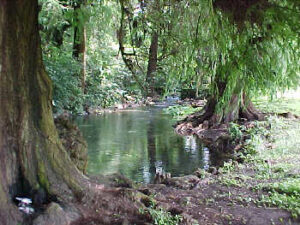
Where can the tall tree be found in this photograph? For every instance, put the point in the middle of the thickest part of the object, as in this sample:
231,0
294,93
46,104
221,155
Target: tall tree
32,156
130,58
153,49
139,26
246,53
152,63
79,45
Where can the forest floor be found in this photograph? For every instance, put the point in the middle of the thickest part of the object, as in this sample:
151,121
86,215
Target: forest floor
260,186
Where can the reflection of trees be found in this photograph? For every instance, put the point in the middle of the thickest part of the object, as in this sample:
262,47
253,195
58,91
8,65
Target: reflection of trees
178,155
112,145
151,145
135,143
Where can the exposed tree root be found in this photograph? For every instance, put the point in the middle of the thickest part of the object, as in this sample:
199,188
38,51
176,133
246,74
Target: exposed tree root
212,126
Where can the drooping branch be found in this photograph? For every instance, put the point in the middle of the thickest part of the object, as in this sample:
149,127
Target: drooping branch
130,64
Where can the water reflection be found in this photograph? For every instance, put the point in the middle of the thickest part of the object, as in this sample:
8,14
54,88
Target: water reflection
206,158
190,143
138,144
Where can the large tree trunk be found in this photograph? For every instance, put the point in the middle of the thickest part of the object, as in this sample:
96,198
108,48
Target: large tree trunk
79,45
152,63
239,107
236,110
32,156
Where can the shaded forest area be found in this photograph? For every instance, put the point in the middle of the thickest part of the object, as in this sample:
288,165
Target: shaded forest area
82,56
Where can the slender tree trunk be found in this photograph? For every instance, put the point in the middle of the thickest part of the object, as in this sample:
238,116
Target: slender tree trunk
152,63
32,156
79,45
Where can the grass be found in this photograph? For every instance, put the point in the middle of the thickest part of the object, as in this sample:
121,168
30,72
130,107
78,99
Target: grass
161,217
279,105
283,162
273,154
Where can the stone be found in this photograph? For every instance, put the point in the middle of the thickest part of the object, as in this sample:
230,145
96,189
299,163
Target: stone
55,215
186,182
213,170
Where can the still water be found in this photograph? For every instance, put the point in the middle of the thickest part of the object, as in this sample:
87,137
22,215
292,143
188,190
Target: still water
138,143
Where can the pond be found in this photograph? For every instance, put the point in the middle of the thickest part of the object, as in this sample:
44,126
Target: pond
138,143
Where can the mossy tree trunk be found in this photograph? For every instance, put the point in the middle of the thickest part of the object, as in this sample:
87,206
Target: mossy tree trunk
32,156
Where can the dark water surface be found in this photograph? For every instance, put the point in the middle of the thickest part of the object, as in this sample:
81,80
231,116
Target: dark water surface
137,143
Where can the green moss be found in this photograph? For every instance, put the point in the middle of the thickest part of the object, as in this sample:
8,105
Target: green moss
43,180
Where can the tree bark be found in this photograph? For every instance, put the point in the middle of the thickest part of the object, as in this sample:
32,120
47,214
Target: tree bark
152,64
32,156
239,107
79,44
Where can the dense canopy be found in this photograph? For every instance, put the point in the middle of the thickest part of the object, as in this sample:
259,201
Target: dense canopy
161,47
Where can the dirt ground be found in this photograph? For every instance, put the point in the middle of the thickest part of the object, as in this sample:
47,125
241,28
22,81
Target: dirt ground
210,202
196,200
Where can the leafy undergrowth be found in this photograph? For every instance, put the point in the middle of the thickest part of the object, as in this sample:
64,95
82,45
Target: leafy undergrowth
162,217
181,111
271,157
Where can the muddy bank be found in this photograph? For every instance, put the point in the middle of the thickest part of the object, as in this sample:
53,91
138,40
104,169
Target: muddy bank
221,197
203,199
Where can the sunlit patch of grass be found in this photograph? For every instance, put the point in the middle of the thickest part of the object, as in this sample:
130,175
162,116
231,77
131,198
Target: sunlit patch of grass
273,154
161,217
285,194
279,105
281,163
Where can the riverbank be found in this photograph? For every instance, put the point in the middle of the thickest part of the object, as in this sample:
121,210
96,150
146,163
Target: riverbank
252,192
259,186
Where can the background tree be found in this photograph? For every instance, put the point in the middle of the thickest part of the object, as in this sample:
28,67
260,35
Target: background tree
153,49
79,42
140,27
107,80
247,54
